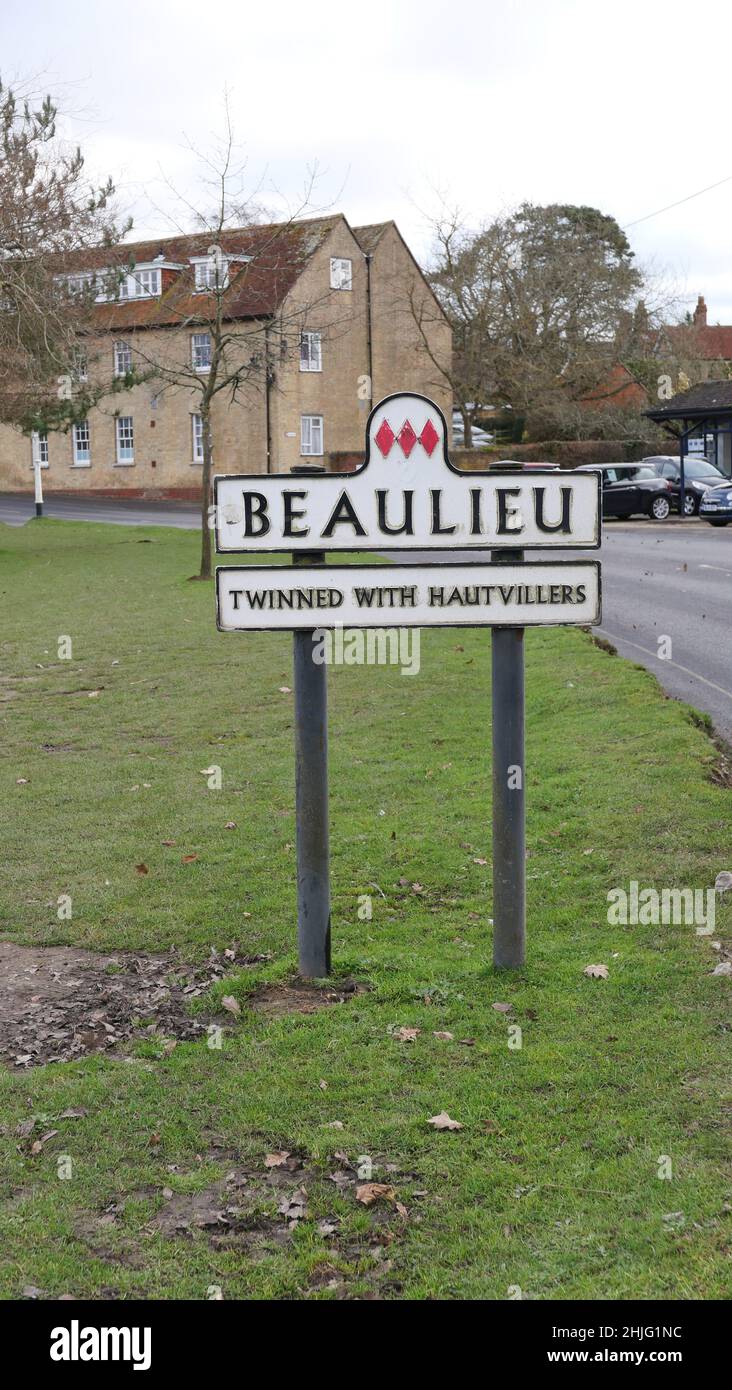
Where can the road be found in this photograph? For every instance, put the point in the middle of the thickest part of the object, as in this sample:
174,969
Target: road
135,511
670,580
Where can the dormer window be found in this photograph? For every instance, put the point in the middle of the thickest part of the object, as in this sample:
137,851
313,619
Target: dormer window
140,284
211,273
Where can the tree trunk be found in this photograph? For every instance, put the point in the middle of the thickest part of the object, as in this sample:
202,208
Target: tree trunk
205,496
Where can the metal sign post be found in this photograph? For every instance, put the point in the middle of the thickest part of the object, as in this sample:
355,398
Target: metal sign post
509,809
310,681
408,496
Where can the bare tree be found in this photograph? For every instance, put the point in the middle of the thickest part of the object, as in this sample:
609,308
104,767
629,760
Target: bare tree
540,302
48,210
246,261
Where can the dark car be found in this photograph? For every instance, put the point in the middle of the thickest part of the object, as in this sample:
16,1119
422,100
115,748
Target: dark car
716,505
699,475
632,489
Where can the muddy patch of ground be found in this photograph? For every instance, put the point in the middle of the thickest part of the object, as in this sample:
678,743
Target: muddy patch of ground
255,1209
58,1003
302,996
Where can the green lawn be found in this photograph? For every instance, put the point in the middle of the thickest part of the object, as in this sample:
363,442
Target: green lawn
552,1185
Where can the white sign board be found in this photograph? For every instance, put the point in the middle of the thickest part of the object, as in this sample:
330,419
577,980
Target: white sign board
290,598
407,495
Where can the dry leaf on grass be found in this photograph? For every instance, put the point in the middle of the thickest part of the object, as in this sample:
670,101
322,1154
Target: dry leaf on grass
370,1192
723,881
596,972
188,858
141,869
724,968
443,1121
444,1037
502,1008
277,1160
230,1003
407,1034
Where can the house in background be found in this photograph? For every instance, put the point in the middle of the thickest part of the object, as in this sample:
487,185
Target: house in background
324,314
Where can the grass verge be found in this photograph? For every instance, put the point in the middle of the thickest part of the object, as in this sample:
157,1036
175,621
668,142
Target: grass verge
552,1184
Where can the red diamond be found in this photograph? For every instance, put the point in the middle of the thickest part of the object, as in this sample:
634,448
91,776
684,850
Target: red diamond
384,437
428,438
406,439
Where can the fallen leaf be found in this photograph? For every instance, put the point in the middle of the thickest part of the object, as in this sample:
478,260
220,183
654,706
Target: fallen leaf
596,972
37,1144
407,1034
141,869
723,881
323,1085
208,771
167,843
444,1037
285,690
77,1113
230,1003
154,1140
230,825
21,781
188,858
480,861
502,1008
334,1124
724,968
443,1121
294,1208
370,1192
277,1160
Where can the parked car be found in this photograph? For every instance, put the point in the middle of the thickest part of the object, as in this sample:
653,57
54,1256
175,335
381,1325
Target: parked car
699,475
716,505
516,463
632,489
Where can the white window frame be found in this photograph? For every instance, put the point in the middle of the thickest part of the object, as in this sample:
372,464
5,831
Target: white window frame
81,455
141,283
204,272
341,273
125,439
311,436
196,351
197,436
80,365
39,448
122,349
311,351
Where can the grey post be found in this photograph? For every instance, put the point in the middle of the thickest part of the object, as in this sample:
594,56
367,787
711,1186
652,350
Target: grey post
311,792
509,814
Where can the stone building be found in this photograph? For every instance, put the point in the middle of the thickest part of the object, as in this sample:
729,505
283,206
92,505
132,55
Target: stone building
322,318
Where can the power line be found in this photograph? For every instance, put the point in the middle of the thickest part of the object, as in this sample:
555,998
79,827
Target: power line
669,206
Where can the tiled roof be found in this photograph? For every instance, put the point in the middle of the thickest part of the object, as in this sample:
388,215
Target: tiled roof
279,254
367,237
710,342
708,398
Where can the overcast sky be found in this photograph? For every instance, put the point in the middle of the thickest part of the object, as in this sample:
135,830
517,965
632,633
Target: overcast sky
625,106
